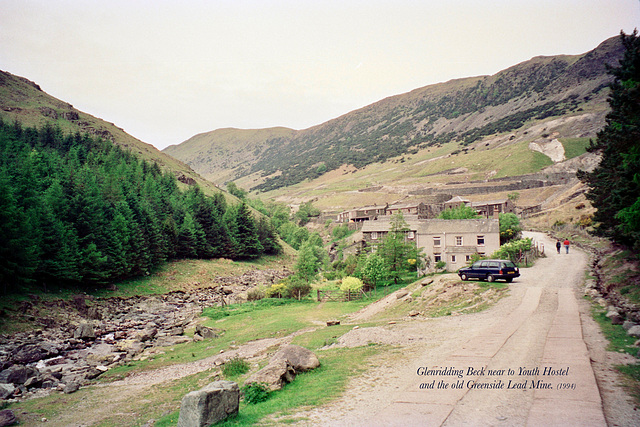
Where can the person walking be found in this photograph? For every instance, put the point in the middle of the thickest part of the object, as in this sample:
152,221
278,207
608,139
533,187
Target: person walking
558,245
566,245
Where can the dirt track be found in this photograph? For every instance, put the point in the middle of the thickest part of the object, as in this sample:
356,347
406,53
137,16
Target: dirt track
544,323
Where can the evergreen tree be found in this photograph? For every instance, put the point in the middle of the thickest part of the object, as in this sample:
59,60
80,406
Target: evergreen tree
245,234
268,236
614,186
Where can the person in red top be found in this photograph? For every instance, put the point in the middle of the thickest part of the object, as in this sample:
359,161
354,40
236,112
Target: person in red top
566,245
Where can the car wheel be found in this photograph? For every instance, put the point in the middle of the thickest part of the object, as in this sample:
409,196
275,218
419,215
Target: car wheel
509,280
490,278
464,277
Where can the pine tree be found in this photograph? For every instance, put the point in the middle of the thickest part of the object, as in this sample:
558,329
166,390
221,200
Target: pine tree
614,186
245,234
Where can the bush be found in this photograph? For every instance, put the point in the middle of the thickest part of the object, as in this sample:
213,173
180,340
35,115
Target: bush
255,294
297,287
351,284
235,367
255,392
277,290
513,249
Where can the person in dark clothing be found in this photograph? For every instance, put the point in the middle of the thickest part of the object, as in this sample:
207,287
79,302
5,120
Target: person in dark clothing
558,245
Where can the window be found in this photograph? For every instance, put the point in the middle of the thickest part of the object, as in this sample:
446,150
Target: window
437,257
458,240
453,258
480,240
411,235
467,258
374,235
436,241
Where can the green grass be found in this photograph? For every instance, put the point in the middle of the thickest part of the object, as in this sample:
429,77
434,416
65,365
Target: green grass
574,147
618,339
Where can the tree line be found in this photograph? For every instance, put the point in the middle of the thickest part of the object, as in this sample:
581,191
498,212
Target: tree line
77,210
614,186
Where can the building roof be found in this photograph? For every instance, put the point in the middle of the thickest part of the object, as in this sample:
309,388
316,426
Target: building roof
405,205
480,225
437,226
457,199
490,202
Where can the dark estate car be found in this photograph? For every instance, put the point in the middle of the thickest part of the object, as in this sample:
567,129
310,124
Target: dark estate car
490,270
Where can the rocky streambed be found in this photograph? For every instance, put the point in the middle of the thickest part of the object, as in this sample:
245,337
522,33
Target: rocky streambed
88,336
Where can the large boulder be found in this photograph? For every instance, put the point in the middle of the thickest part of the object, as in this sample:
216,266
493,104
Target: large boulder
211,404
205,333
298,357
7,418
6,390
33,352
84,332
18,374
275,375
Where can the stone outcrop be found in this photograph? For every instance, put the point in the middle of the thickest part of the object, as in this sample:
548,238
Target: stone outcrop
298,357
275,375
284,365
211,404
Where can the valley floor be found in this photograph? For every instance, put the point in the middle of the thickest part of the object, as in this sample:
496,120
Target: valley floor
544,323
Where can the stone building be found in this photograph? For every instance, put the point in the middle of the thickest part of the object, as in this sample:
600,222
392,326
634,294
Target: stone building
452,241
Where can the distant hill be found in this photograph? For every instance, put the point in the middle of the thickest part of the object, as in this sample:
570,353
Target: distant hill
461,112
24,101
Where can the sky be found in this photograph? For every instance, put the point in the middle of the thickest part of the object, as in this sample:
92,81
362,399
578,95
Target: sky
167,70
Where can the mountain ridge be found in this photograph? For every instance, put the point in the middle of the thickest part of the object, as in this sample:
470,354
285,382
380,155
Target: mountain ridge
461,110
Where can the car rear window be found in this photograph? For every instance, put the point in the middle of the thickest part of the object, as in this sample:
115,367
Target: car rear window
508,264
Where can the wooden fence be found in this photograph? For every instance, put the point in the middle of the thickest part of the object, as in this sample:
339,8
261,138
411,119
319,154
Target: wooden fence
338,295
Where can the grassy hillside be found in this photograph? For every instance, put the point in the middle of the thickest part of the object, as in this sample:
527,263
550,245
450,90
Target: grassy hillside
459,112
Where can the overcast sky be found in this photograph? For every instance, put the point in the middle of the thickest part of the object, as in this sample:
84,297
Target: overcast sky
167,70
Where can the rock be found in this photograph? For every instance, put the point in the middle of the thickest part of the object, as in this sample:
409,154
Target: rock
94,313
71,387
634,331
627,324
17,374
297,357
33,382
615,317
33,352
171,340
7,418
147,334
84,332
6,390
276,374
414,313
205,333
211,404
401,294
333,322
426,282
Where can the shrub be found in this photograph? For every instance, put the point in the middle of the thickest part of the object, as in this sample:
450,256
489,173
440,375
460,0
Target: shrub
351,284
235,367
512,249
255,294
297,287
277,290
255,392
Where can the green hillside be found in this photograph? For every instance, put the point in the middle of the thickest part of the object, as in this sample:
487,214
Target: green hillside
462,112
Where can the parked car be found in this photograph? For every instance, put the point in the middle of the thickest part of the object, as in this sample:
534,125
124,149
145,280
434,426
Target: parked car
490,270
